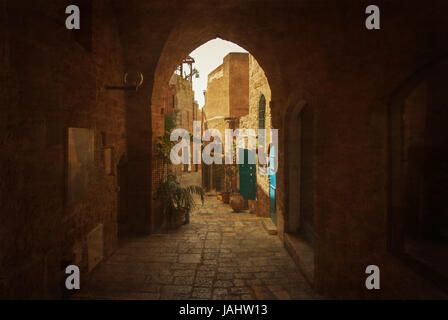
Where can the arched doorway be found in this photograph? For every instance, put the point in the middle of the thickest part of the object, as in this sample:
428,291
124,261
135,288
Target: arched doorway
299,220
418,218
258,99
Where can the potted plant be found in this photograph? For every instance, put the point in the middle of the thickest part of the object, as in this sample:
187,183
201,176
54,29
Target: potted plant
177,200
237,202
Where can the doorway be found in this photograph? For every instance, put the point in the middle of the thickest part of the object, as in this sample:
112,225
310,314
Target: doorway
418,220
272,185
299,224
247,173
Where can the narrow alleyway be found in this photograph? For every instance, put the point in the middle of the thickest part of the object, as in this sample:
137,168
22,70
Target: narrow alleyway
219,255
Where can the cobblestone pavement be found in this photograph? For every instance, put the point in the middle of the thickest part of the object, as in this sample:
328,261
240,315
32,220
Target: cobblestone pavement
219,255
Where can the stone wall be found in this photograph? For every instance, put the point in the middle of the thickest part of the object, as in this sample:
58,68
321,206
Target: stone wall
247,82
238,73
184,102
217,95
227,88
55,80
219,124
258,85
186,111
346,73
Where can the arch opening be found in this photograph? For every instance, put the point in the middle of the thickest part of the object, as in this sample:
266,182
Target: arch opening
299,220
418,219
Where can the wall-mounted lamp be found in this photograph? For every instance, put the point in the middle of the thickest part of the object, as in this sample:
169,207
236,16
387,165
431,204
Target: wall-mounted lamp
137,83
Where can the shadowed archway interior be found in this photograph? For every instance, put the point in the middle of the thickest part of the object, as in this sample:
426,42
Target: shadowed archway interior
56,104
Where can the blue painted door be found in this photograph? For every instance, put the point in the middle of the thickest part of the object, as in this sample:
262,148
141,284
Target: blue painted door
272,185
248,178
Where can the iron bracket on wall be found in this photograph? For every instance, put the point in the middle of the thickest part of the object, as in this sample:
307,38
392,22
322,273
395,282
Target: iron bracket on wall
134,87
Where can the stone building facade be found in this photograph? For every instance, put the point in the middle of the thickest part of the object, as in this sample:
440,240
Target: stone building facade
259,117
236,92
226,100
227,93
185,109
182,102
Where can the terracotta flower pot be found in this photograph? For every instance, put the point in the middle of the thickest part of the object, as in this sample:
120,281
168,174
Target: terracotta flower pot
177,218
237,202
226,197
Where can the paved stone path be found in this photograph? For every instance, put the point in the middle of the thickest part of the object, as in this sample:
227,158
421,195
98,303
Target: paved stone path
219,255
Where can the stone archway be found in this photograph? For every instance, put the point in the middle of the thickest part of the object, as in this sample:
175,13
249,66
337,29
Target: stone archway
177,47
319,52
308,54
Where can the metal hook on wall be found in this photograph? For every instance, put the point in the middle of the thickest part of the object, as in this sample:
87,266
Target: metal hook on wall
135,87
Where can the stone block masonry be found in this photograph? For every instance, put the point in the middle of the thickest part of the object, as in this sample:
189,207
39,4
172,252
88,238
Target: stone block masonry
63,88
317,55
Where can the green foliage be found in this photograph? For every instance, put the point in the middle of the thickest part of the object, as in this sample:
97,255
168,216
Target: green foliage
194,73
163,148
175,197
164,145
230,172
170,123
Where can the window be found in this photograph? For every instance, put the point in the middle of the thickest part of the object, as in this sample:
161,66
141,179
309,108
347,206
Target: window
262,112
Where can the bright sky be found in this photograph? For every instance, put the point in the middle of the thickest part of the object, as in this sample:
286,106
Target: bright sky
208,57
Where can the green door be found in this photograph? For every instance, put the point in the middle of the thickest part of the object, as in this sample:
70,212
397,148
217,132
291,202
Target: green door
248,178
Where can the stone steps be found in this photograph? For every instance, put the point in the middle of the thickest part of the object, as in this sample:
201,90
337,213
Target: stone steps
269,226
